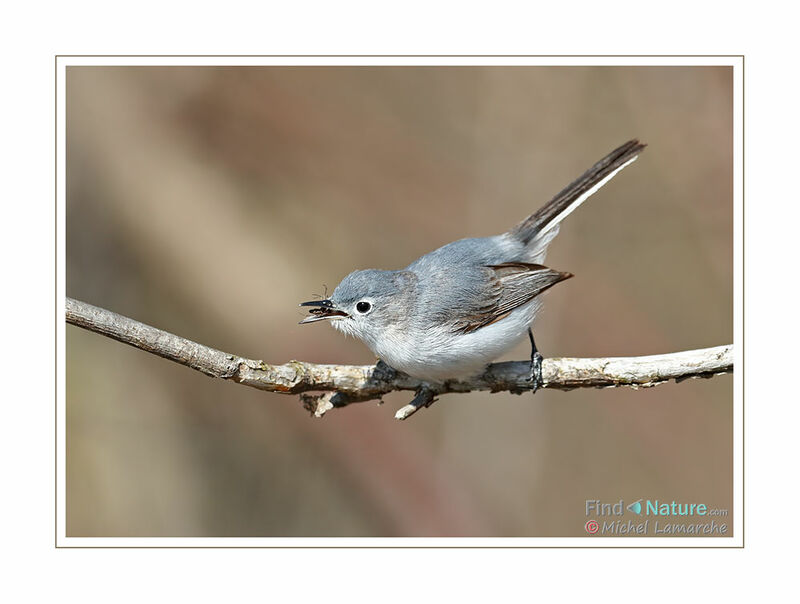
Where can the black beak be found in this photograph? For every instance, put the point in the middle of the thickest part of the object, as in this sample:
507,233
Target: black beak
323,309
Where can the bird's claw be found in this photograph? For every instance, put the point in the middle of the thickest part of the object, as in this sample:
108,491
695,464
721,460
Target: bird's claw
536,371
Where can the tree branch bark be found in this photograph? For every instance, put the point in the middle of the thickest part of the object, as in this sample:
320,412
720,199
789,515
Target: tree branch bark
342,385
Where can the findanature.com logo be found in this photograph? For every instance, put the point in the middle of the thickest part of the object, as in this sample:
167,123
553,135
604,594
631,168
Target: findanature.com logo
605,524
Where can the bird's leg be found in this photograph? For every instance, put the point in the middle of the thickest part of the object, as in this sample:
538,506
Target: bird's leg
536,365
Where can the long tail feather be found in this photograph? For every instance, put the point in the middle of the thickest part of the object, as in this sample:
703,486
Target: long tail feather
553,212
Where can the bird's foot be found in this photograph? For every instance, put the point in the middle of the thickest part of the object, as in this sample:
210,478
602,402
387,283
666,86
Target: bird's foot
536,365
536,371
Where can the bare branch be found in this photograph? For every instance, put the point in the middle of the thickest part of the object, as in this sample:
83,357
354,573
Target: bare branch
345,384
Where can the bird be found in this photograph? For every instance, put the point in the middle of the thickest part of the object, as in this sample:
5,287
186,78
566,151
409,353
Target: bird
453,311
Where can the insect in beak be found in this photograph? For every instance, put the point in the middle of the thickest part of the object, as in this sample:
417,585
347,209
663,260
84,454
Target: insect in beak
322,309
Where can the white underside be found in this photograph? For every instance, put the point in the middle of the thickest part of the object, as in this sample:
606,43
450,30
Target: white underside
441,354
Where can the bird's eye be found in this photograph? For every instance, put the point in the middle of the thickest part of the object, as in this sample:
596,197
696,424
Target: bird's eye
363,307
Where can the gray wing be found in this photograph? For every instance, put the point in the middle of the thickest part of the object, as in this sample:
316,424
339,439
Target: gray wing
511,285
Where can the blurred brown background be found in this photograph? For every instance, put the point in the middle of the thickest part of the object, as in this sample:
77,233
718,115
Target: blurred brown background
209,201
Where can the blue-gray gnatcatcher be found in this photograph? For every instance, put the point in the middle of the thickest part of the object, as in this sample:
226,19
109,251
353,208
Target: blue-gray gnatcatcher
453,311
